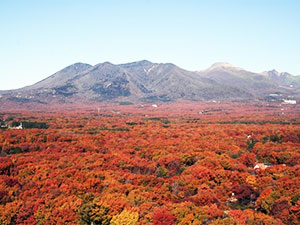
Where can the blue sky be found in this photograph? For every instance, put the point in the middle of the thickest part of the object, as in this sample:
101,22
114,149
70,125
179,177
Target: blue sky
39,38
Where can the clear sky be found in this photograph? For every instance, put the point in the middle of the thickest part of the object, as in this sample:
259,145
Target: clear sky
41,37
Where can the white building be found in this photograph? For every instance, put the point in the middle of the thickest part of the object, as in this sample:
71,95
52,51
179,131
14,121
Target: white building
289,101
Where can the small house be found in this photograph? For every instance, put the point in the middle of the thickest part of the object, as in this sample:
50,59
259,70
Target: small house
261,166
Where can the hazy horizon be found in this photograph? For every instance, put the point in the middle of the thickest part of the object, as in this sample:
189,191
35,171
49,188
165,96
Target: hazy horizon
40,38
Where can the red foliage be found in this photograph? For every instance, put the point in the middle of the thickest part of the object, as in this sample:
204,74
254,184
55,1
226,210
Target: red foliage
238,216
280,210
243,192
248,159
26,215
3,195
5,165
89,166
162,216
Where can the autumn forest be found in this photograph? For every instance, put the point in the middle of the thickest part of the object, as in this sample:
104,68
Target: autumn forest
171,163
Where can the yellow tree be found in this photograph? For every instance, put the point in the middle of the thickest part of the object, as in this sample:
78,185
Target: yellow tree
126,217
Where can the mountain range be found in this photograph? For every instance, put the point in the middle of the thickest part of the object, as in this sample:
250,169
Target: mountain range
144,81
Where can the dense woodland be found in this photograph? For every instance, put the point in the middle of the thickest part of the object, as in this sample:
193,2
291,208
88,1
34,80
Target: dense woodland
187,163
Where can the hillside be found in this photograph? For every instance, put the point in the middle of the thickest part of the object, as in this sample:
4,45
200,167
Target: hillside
144,81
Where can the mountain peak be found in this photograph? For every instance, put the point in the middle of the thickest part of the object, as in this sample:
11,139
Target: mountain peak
222,65
102,65
80,64
143,62
136,64
272,73
77,67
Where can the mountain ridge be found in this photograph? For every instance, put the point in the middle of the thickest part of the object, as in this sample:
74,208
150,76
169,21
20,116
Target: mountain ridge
144,81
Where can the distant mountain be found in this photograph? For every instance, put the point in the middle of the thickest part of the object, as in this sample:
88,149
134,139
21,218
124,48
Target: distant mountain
284,79
144,81
226,74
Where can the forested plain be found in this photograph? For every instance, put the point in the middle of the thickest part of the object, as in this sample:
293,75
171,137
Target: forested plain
170,163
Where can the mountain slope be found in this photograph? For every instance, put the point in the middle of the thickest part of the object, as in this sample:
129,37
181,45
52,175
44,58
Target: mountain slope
60,77
146,81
